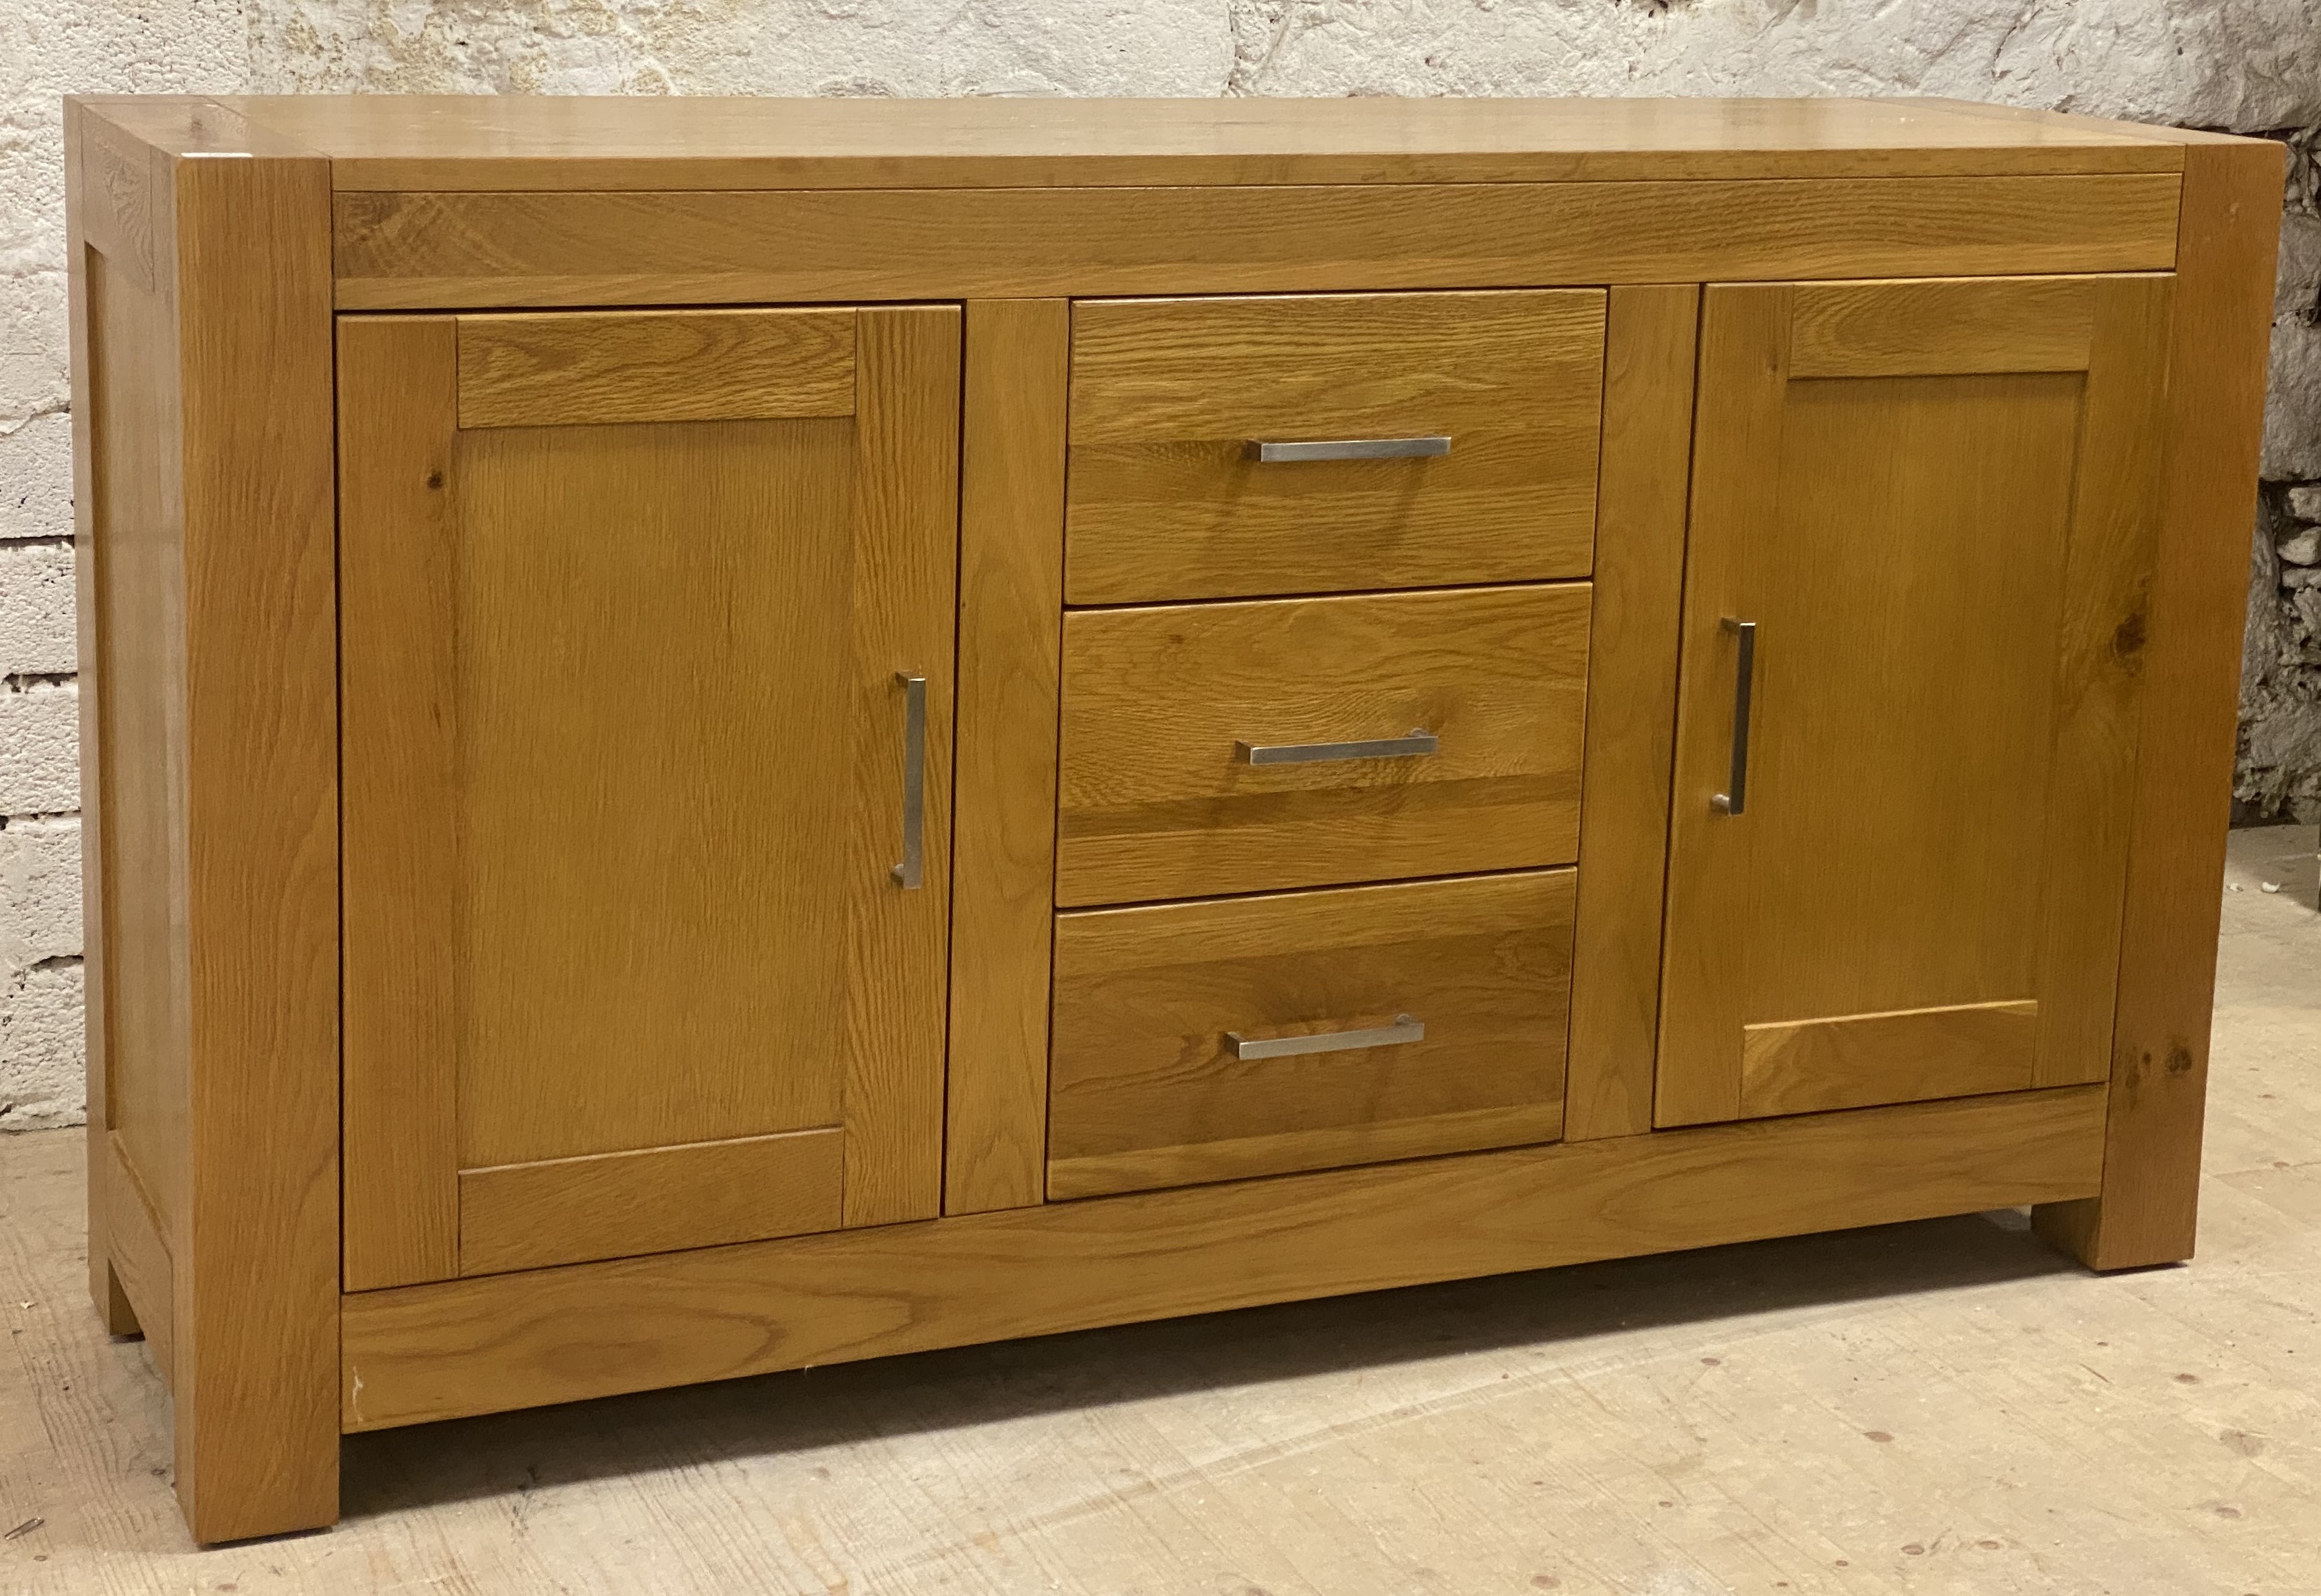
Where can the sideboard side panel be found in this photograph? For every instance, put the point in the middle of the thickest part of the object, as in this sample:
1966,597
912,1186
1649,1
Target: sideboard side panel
124,345
2148,1210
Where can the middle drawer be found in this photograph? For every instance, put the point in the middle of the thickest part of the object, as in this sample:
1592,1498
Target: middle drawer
1235,748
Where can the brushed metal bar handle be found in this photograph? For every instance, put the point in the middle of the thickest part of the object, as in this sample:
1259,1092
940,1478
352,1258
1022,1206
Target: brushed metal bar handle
1420,741
1735,798
909,874
1349,449
1403,1029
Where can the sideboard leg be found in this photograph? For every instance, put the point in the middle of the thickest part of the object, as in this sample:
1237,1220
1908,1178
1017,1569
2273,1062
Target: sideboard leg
257,1256
2147,1210
113,1303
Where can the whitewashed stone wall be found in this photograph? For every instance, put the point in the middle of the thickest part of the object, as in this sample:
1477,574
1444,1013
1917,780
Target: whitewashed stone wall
2279,774
2250,65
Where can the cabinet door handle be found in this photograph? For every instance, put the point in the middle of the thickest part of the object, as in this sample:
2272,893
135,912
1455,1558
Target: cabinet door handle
909,874
1420,741
1744,677
1403,1029
1349,449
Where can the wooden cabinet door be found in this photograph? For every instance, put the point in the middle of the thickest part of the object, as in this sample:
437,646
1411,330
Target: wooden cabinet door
630,767
1925,509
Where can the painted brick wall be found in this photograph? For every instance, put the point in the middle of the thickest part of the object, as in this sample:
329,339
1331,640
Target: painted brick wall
2252,66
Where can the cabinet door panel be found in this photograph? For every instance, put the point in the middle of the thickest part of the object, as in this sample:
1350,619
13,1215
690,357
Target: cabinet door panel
626,964
653,715
1931,500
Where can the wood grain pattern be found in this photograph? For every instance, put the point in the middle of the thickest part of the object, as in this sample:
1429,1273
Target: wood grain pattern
1942,735
1637,596
257,1252
1949,326
429,1352
906,555
1153,801
1145,1090
2115,507
130,555
1165,504
429,251
1908,607
632,365
398,564
1811,1065
139,1252
612,1205
448,142
112,186
2216,366
634,973
1011,579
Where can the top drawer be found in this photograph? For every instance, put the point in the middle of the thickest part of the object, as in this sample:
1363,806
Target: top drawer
1168,502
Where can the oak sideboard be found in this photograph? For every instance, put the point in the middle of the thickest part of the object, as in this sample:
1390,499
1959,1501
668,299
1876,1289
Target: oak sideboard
728,735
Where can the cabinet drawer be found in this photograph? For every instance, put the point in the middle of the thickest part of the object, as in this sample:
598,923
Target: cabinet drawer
1203,744
1434,1012
1169,396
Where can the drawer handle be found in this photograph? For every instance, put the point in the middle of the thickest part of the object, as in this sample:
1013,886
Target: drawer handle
1735,798
1420,741
1349,449
1403,1029
908,874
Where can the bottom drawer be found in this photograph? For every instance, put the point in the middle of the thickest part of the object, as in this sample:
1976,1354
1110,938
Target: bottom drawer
1244,1036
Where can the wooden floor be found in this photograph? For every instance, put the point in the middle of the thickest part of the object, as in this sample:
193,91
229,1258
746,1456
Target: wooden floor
1941,1406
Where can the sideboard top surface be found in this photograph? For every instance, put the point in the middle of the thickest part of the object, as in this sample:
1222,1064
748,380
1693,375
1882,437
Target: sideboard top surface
513,142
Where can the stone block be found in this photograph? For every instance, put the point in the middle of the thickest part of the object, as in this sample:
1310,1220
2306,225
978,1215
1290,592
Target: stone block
2297,290
39,891
36,608
42,1049
36,477
40,749
2292,410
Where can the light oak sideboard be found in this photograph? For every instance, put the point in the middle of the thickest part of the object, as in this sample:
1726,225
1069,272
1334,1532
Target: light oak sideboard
734,735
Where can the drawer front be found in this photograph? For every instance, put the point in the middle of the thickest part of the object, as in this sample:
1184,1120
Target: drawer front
1436,1012
1174,718
1166,501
